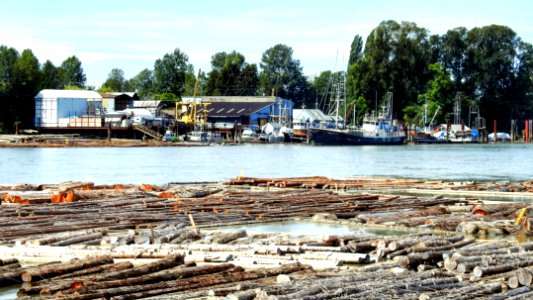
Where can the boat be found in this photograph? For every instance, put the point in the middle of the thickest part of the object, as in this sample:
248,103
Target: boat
277,129
299,130
500,137
458,132
377,129
455,133
425,137
425,134
249,135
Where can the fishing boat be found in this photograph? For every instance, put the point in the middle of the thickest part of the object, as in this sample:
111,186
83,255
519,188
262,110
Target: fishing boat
377,129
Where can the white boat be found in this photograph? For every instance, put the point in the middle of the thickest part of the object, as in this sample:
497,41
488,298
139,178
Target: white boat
455,133
500,137
249,135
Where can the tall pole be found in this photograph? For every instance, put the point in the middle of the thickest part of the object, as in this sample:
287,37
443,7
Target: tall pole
495,132
526,132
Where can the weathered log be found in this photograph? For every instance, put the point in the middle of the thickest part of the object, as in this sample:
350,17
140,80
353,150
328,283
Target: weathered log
499,208
484,271
444,247
242,295
79,239
61,236
174,233
511,294
414,259
11,277
40,273
523,296
512,282
524,277
98,270
7,268
477,290
66,281
8,261
163,275
229,237
148,290
307,291
165,263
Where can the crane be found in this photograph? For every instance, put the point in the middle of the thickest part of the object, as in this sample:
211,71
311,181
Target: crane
189,110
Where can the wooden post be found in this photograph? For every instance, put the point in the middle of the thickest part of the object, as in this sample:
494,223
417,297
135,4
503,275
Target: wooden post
526,132
495,132
109,131
193,224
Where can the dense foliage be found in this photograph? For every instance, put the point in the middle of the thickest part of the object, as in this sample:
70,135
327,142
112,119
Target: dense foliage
488,69
485,69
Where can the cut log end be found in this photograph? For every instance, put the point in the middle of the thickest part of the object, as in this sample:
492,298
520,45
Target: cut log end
25,276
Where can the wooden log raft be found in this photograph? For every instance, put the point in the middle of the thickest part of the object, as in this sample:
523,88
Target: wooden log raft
165,287
163,275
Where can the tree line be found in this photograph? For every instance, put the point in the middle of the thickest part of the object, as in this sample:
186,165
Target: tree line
489,69
486,70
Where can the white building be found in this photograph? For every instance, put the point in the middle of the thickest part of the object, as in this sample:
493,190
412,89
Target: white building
68,108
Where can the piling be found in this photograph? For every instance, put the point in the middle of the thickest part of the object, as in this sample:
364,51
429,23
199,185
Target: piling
526,132
495,131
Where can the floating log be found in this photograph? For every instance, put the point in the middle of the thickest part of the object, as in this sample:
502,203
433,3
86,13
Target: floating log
229,237
79,239
484,271
165,263
163,275
414,259
40,273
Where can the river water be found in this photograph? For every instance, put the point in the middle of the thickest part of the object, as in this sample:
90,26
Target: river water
160,165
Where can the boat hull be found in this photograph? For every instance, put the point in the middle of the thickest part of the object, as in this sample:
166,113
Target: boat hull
328,137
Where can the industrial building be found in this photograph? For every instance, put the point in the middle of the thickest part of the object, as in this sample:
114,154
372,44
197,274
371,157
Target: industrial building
228,115
67,108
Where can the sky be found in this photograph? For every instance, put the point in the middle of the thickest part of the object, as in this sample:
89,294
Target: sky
131,35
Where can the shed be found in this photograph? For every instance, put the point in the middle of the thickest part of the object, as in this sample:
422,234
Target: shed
314,117
113,101
60,108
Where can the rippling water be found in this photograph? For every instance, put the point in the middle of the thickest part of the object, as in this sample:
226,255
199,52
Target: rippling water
160,165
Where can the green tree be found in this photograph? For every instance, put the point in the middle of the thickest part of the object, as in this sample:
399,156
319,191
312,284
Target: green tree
356,50
50,76
24,87
491,63
452,55
170,73
8,56
249,80
283,75
396,60
522,90
438,96
142,84
72,72
115,80
231,75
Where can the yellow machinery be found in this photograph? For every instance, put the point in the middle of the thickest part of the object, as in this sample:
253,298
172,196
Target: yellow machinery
187,112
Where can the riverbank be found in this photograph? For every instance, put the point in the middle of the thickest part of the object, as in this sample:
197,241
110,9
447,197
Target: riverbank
74,140
146,240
